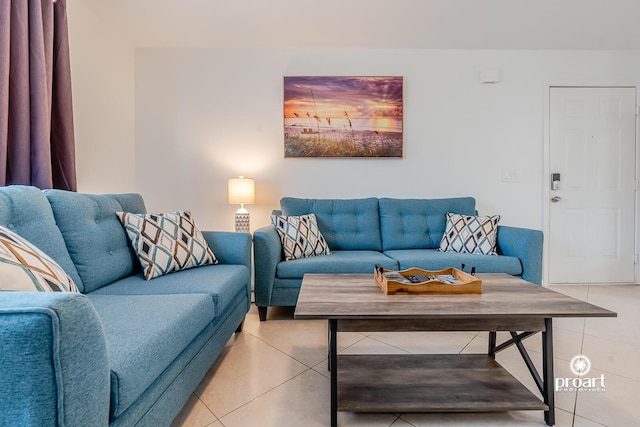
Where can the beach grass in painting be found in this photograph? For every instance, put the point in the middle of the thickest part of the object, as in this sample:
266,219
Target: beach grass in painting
343,116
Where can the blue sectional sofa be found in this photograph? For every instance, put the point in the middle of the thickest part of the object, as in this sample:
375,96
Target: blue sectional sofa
395,233
124,351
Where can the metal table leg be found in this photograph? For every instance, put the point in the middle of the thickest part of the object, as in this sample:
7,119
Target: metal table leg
547,372
492,344
545,382
333,363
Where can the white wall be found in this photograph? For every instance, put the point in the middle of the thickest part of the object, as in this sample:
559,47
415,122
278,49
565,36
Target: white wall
102,71
204,115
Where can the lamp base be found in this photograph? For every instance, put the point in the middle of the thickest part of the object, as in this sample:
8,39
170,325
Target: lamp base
242,222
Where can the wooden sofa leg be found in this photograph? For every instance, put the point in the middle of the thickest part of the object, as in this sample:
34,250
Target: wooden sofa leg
240,326
262,312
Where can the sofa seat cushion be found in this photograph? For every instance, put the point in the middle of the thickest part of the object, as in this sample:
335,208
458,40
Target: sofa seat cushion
145,334
221,282
432,259
339,262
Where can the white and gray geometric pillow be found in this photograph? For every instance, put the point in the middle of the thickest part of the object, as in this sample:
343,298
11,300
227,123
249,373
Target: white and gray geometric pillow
300,236
470,234
166,242
24,267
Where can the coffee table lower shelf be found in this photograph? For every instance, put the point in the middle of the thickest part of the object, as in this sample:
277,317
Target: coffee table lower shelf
429,383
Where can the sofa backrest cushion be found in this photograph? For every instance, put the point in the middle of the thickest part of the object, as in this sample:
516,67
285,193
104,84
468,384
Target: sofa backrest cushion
350,224
96,240
418,223
26,211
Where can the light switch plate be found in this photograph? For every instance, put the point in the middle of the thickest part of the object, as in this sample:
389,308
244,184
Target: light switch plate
510,175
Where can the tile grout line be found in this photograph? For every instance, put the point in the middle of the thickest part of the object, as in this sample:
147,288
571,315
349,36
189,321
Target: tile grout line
575,400
288,355
308,368
266,392
584,329
400,418
219,418
611,339
350,345
469,343
312,368
210,410
381,342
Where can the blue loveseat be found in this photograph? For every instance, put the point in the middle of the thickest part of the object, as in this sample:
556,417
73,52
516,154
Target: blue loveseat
395,233
124,351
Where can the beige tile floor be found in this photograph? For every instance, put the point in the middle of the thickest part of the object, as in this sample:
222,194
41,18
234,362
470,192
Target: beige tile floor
274,373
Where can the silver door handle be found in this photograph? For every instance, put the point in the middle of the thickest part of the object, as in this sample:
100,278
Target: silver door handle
556,199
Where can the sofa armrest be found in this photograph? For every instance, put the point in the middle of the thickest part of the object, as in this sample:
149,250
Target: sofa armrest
230,247
54,367
526,244
267,253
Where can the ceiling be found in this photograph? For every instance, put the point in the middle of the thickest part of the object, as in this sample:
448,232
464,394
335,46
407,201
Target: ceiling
426,24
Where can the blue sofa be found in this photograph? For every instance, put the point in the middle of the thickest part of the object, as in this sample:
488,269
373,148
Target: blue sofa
124,351
395,233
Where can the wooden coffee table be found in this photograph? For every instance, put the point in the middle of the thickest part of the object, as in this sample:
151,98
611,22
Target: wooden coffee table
438,383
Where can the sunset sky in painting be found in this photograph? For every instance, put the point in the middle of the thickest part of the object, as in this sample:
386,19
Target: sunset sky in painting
376,101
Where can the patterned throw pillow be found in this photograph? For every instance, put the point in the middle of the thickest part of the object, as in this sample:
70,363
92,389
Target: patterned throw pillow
470,234
24,267
166,242
300,236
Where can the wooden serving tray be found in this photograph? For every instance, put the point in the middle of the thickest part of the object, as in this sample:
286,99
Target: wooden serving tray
464,283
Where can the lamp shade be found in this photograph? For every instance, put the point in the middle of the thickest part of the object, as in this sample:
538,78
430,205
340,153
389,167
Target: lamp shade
241,190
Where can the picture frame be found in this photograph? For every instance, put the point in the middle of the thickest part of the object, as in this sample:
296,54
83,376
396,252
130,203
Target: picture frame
343,117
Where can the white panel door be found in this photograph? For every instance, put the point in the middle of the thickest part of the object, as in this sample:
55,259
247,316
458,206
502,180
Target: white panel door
592,212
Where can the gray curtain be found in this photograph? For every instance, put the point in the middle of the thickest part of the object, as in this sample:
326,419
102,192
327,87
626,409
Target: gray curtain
36,115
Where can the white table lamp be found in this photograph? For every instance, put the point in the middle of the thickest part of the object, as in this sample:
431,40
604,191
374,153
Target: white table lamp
240,191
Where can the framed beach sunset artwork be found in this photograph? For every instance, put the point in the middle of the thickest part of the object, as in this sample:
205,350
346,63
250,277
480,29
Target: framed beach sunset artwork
342,117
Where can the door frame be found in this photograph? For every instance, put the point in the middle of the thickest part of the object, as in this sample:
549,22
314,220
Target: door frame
546,190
